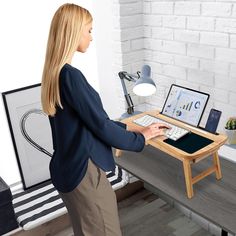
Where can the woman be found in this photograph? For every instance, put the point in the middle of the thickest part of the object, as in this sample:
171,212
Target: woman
82,132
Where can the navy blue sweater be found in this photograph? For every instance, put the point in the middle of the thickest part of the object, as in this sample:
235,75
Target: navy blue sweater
83,130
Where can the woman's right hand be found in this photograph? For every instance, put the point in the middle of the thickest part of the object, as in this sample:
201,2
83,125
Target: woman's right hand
153,130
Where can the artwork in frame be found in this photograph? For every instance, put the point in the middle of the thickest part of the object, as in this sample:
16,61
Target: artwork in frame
30,132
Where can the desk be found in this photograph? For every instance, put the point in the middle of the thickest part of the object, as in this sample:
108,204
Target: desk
187,159
214,200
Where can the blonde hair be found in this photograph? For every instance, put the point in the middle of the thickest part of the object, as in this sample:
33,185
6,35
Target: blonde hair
63,40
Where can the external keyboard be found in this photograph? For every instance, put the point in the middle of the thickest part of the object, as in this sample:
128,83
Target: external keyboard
173,133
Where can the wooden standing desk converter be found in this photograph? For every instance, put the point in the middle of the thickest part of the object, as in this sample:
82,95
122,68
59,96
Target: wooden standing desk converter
186,158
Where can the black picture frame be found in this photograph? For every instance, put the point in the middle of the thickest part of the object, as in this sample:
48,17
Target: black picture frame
30,133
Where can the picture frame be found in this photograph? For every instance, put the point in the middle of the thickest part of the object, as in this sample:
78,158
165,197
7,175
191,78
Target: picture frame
30,132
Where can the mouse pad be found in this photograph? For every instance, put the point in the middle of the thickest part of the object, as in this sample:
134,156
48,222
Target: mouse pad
190,143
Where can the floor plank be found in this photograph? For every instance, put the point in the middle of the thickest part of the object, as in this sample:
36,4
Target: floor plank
144,214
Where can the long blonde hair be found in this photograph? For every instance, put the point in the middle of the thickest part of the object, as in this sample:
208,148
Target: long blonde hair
63,40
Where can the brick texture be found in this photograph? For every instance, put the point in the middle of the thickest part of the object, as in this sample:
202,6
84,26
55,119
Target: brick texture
191,43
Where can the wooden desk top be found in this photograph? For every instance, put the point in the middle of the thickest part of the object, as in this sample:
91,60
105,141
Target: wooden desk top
219,140
214,200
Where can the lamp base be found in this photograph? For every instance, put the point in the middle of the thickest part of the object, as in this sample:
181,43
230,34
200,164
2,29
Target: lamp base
126,115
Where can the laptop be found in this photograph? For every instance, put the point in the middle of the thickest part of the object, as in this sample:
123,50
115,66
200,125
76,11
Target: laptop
183,104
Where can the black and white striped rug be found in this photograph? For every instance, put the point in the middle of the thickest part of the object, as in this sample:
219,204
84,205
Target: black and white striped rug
42,203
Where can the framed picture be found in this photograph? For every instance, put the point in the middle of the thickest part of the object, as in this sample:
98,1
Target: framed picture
30,132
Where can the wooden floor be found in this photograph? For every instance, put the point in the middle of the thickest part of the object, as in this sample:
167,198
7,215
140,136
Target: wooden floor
144,214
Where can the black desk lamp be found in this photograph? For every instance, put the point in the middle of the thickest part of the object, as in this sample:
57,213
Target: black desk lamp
144,86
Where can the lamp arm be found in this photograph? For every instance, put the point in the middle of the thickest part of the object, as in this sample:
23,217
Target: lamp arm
128,99
131,77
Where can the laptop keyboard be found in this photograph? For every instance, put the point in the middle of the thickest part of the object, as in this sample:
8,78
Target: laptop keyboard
174,133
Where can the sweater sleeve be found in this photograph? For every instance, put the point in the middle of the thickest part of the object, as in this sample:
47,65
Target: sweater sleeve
120,124
88,106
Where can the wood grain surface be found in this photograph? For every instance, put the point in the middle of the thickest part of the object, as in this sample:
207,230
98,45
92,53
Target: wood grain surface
213,199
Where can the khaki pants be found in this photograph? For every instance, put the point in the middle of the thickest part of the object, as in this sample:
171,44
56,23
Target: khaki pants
92,205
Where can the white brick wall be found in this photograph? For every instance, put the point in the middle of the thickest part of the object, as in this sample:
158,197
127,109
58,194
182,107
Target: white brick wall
234,11
201,23
152,20
226,54
226,25
162,57
129,22
128,41
186,36
174,47
174,21
233,41
191,43
202,77
187,8
200,51
129,9
217,67
214,39
175,72
162,33
186,61
216,9
162,8
233,71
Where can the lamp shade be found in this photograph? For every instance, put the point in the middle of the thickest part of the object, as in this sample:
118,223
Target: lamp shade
145,86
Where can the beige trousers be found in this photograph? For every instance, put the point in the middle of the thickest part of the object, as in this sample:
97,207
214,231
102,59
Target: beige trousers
92,205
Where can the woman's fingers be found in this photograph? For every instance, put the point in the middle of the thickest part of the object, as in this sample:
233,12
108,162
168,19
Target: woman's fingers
153,130
160,126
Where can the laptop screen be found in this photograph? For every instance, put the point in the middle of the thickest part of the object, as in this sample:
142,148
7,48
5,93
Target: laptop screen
185,104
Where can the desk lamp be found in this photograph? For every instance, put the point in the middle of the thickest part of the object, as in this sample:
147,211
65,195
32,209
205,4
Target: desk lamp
144,86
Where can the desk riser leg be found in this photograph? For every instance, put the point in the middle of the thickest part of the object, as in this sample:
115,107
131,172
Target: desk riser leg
204,174
188,178
118,152
217,165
